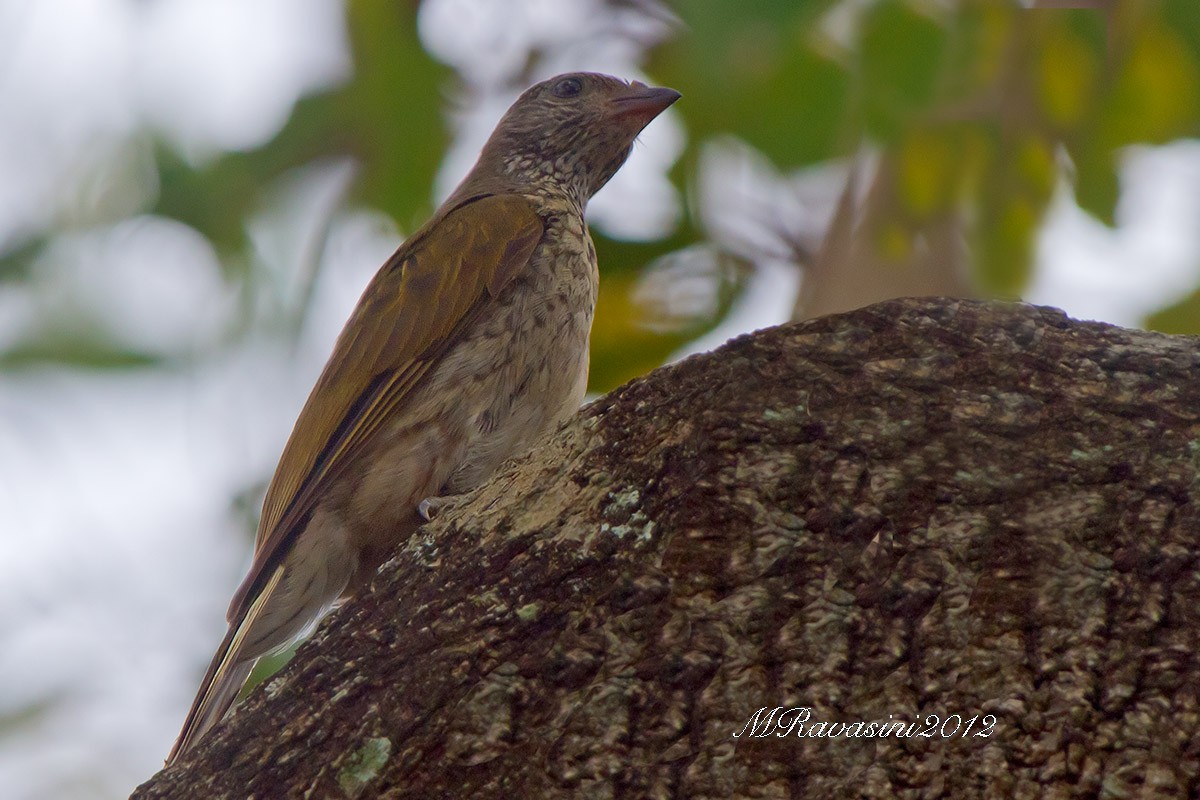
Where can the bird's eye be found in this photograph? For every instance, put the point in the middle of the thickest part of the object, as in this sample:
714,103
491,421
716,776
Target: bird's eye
568,87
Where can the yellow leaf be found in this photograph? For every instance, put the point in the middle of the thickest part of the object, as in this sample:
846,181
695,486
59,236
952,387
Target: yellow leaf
1035,165
1066,77
1155,97
926,164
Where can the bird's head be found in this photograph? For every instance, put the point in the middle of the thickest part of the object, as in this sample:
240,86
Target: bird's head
571,132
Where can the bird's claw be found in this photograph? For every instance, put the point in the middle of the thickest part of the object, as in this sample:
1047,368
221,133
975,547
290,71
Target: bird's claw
430,507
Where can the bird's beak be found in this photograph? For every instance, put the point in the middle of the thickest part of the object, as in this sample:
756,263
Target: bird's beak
642,102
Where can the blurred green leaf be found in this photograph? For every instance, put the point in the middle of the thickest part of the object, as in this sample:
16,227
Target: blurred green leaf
628,340
978,38
266,667
1035,168
620,348
1156,93
83,352
929,162
1067,74
1182,17
1182,317
388,117
1097,187
970,103
391,115
1006,258
757,69
22,714
17,264
902,53
215,199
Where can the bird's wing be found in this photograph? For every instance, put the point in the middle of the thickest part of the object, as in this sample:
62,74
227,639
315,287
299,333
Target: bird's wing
413,310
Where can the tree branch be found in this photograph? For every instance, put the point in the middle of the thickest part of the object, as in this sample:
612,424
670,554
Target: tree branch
921,507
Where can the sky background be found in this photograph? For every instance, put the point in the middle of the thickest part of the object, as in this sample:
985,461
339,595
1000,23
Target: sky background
128,493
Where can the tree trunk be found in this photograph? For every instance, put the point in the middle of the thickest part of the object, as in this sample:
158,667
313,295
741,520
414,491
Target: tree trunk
954,543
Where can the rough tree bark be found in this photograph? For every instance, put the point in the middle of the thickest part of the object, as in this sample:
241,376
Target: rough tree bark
924,507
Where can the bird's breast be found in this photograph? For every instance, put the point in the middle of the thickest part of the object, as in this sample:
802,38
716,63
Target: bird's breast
521,369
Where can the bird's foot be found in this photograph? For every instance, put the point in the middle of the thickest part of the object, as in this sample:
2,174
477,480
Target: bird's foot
431,507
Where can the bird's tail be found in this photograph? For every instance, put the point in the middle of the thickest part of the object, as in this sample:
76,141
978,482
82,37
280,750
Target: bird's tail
226,674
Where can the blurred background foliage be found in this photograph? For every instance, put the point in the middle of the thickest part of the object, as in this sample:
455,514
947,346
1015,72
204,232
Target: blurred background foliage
959,121
826,154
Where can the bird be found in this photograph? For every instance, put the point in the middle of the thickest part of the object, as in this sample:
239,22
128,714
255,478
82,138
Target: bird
469,344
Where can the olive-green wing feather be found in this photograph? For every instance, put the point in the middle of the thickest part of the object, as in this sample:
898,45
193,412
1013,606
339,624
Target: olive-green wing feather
413,310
